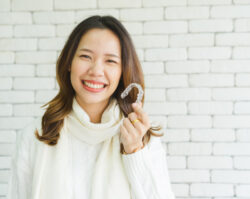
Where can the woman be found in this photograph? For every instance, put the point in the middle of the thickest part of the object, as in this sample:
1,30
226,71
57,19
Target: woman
90,143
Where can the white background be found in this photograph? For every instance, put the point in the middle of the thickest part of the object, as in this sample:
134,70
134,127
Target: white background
196,60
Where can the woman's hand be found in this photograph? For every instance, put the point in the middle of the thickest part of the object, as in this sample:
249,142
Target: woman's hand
132,133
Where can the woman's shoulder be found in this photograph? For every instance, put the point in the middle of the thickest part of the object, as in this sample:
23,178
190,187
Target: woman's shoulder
27,133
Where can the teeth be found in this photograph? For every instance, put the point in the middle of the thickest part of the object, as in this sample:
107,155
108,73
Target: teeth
93,85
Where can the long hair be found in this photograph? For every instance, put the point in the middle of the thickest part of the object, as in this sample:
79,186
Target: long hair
61,105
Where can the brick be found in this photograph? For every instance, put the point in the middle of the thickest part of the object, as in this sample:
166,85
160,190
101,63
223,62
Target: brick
74,5
230,176
32,5
6,31
150,68
55,17
211,25
189,121
161,108
231,94
51,44
16,96
5,5
187,67
210,108
46,70
5,83
18,44
64,30
209,2
34,31
34,83
165,81
16,70
14,123
165,54
210,162
157,95
6,110
162,27
134,28
186,94
231,121
141,14
7,57
39,57
180,189
212,135
161,3
176,135
28,110
241,53
242,80
140,54
7,137
150,41
5,176
242,25
241,1
6,149
231,149
230,66
119,4
243,135
186,12
5,162
188,40
15,18
209,53
211,80
176,162
83,14
242,163
3,189
233,39
190,148
243,190
183,176
206,189
232,11
45,96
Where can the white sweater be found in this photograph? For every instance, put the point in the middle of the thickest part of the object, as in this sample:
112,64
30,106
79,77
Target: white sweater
146,169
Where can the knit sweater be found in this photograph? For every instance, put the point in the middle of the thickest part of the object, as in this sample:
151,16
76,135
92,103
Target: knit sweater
146,169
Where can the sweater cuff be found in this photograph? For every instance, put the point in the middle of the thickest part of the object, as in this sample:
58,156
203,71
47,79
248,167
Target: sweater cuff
135,163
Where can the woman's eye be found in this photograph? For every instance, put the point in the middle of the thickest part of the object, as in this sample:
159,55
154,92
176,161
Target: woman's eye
110,60
86,56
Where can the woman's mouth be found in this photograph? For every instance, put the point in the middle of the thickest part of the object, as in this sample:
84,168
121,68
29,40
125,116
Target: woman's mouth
93,87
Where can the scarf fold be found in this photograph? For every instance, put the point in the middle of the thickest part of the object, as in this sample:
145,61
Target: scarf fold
53,176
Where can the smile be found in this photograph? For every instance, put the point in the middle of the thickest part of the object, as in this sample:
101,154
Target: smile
93,85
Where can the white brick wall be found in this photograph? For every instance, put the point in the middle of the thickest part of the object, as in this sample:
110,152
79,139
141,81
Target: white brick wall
195,55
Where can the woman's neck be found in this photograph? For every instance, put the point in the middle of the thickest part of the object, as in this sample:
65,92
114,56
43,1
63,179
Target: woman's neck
94,111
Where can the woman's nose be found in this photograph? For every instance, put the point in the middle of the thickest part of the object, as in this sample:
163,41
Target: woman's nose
96,69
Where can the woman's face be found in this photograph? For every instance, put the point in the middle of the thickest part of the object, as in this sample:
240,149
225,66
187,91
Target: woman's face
96,67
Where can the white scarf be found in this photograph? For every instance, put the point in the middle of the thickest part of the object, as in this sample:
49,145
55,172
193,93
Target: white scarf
52,176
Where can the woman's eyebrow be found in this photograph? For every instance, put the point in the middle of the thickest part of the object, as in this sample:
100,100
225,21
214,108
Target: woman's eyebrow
107,54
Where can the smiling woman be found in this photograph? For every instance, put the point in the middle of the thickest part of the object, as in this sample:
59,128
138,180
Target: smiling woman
90,143
96,68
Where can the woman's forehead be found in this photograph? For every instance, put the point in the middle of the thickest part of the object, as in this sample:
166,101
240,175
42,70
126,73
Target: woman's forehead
100,40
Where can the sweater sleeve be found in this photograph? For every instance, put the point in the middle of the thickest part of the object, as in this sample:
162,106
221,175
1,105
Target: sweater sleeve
148,173
20,181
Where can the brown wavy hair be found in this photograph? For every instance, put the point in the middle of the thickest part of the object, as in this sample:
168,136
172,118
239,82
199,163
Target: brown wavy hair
61,104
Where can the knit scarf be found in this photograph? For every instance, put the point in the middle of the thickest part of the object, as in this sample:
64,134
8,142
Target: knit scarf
52,173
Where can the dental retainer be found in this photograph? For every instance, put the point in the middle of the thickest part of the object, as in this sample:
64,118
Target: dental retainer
129,88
